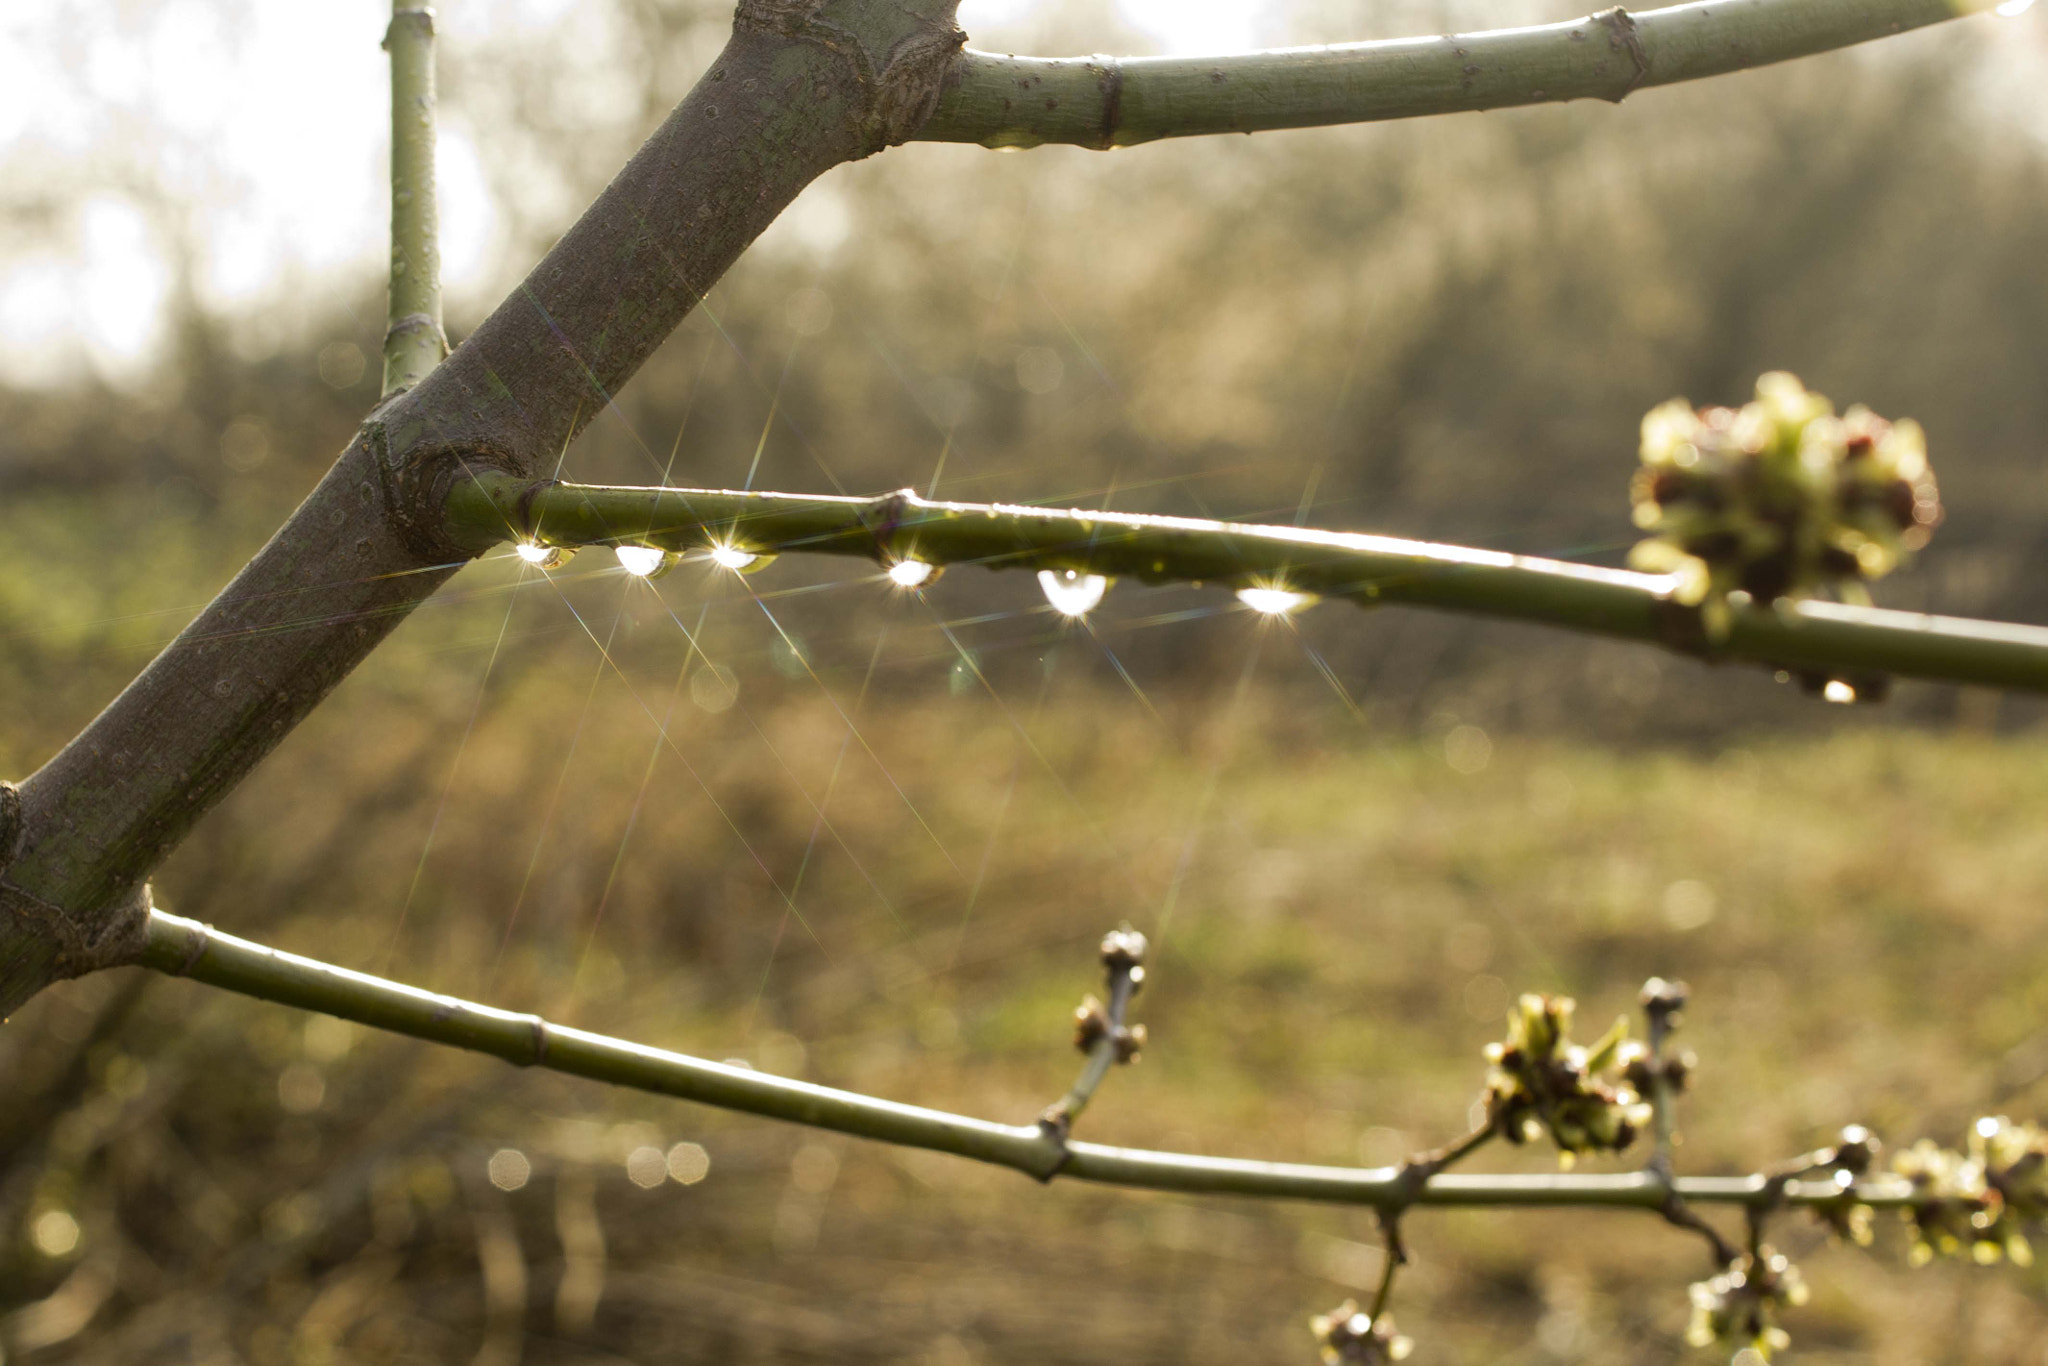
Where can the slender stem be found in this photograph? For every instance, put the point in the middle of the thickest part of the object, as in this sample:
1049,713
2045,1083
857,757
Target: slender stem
1456,1152
1369,570
1662,1001
1103,1053
1104,102
1679,1214
414,343
1395,1257
1663,1120
186,948
1414,1178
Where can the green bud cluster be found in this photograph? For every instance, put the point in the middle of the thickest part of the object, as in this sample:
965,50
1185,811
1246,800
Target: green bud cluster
1979,1197
1348,1336
1739,1308
1540,1082
1779,498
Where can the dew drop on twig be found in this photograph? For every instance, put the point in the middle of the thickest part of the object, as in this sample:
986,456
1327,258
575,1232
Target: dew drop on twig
642,561
540,556
912,573
1071,593
1273,602
733,558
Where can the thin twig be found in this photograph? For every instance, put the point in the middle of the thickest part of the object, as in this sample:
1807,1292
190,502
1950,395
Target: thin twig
1662,1001
1104,102
1101,1031
1679,1214
185,947
1396,1257
1370,570
414,341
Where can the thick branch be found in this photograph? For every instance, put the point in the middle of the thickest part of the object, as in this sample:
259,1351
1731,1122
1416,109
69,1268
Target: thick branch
187,948
798,90
1103,102
414,342
1370,570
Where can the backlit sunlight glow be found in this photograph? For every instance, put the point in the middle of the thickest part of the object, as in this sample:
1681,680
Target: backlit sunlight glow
911,573
641,561
538,555
261,204
1071,593
1835,690
1273,602
732,557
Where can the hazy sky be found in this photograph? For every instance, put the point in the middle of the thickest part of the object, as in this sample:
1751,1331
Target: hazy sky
261,127
250,137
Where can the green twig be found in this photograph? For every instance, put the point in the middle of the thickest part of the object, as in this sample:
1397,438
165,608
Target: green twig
414,342
1103,102
186,948
1807,636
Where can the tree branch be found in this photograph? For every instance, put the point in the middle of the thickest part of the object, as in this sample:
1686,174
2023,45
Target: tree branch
1369,570
1104,102
414,342
797,90
187,948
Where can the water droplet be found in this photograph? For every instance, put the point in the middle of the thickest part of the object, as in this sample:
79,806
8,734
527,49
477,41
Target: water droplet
1838,691
790,656
2013,9
1273,602
1071,593
733,558
643,561
963,674
714,688
56,1234
508,1169
647,1167
912,573
1986,1127
541,556
688,1164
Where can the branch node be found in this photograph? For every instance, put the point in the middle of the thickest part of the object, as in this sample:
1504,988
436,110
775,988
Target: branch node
1110,77
896,93
421,15
417,322
1623,36
415,474
199,935
108,940
1056,1125
882,516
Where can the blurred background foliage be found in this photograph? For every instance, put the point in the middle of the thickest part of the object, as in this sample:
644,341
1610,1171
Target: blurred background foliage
870,840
